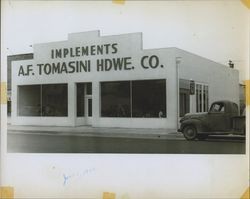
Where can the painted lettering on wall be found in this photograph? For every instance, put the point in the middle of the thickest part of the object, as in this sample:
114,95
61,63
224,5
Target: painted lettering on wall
150,62
102,49
64,67
25,70
84,59
123,63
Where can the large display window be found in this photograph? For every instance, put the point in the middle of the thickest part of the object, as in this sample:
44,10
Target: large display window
115,99
55,100
29,103
202,95
149,98
80,87
43,100
184,102
142,98
184,97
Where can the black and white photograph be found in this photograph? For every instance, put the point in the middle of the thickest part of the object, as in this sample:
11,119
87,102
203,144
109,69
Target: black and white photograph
105,94
122,78
108,93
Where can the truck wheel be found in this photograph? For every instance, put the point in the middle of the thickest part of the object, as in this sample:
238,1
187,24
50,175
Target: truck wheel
190,132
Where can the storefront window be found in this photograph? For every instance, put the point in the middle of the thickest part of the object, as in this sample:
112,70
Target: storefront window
184,97
205,98
80,99
149,98
184,101
201,98
43,100
115,99
145,98
54,100
29,101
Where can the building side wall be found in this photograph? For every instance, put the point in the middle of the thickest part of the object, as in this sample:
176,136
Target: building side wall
223,82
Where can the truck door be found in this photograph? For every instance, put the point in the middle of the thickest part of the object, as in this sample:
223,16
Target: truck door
217,117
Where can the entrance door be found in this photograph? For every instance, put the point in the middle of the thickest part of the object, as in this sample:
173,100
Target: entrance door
84,103
184,102
88,103
88,110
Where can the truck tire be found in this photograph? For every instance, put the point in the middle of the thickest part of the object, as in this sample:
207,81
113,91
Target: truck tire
190,132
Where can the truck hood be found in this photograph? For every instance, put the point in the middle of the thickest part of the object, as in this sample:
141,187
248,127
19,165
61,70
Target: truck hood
198,116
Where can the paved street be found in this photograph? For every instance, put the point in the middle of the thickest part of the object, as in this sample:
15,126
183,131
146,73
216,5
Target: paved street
46,142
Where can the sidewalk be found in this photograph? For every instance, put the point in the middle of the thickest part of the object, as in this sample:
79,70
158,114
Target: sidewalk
95,131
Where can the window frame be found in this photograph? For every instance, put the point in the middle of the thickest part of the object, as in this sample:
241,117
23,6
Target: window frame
131,98
201,90
100,98
41,100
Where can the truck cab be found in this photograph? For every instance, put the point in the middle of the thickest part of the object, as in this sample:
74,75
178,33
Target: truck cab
218,120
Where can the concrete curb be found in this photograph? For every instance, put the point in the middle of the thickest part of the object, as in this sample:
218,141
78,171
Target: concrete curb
96,132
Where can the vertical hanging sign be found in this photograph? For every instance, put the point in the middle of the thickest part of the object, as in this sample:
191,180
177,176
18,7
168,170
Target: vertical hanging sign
192,87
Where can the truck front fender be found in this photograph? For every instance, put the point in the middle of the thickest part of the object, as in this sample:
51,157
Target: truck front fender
199,125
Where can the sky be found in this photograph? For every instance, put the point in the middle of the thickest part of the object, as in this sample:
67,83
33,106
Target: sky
217,30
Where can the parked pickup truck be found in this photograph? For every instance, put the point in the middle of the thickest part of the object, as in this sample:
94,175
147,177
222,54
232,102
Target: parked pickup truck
222,118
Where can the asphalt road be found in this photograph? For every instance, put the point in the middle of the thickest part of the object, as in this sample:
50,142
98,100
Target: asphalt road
51,143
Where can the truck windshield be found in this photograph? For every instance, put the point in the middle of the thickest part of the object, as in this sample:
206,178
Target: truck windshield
217,107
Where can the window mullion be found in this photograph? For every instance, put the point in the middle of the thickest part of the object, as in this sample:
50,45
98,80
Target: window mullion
41,100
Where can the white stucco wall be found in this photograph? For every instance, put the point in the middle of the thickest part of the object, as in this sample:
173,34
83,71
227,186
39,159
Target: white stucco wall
129,45
222,81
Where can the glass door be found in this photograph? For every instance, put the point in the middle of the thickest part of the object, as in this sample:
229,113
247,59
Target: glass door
88,104
84,102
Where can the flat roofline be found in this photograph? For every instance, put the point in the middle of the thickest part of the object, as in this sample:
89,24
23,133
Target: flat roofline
203,57
99,35
23,56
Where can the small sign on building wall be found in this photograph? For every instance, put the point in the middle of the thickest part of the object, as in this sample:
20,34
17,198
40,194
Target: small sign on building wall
192,87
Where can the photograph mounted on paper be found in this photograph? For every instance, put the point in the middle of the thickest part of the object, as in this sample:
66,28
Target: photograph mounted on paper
106,94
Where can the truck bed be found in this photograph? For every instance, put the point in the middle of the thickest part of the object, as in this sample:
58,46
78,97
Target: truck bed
238,124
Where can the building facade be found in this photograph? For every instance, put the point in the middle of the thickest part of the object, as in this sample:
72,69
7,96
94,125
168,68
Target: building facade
111,81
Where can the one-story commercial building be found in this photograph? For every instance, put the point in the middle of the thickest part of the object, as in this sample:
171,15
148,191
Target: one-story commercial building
111,81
